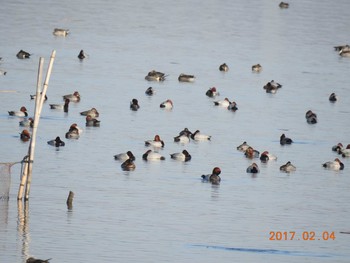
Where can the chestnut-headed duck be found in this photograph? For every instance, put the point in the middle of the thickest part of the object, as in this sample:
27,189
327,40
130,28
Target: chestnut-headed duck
60,32
156,142
214,177
333,97
198,136
337,148
22,54
283,5
92,122
186,78
251,153
182,156
82,55
75,97
124,156
285,140
223,67
134,105
335,165
152,156
27,123
150,91
63,107
243,147
168,104
253,168
128,165
25,135
311,117
212,92
266,156
74,132
21,113
345,152
56,142
32,97
232,106
92,112
36,260
222,103
288,167
155,76
256,68
272,87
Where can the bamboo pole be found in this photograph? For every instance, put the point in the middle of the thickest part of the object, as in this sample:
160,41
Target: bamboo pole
38,107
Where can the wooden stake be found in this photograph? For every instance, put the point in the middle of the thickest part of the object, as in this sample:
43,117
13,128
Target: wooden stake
70,200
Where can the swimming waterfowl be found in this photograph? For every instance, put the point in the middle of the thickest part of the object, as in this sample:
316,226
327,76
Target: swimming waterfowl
152,156
74,132
150,91
272,87
251,153
27,123
345,52
285,140
186,78
56,142
61,106
25,135
134,105
232,106
214,177
168,104
311,117
92,112
345,47
256,68
335,165
337,148
212,92
128,165
253,168
32,97
22,54
266,156
283,5
35,260
223,67
81,54
155,76
182,156
243,147
182,138
124,156
185,131
60,32
21,113
75,97
333,97
92,122
288,167
156,142
198,136
222,103
345,152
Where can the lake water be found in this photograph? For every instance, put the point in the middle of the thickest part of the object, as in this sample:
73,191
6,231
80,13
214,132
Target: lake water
162,211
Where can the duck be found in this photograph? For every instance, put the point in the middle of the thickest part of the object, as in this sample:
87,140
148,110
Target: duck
75,97
128,165
333,97
73,132
185,131
283,5
60,32
150,91
214,177
337,148
285,140
35,260
345,152
243,147
61,106
212,92
251,153
335,165
311,117
3,72
266,156
222,103
198,136
256,68
92,122
186,78
344,52
156,142
124,156
21,113
32,97
168,104
232,106
23,54
155,76
134,105
253,168
27,122
152,156
25,135
223,67
92,112
56,142
82,55
182,138
272,87
338,48
288,167
182,156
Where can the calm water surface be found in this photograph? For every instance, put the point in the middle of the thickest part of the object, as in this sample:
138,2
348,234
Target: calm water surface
161,211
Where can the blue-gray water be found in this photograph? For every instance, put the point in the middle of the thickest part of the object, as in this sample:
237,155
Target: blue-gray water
161,211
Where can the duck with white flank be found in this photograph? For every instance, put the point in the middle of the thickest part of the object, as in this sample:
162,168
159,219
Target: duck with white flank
214,177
